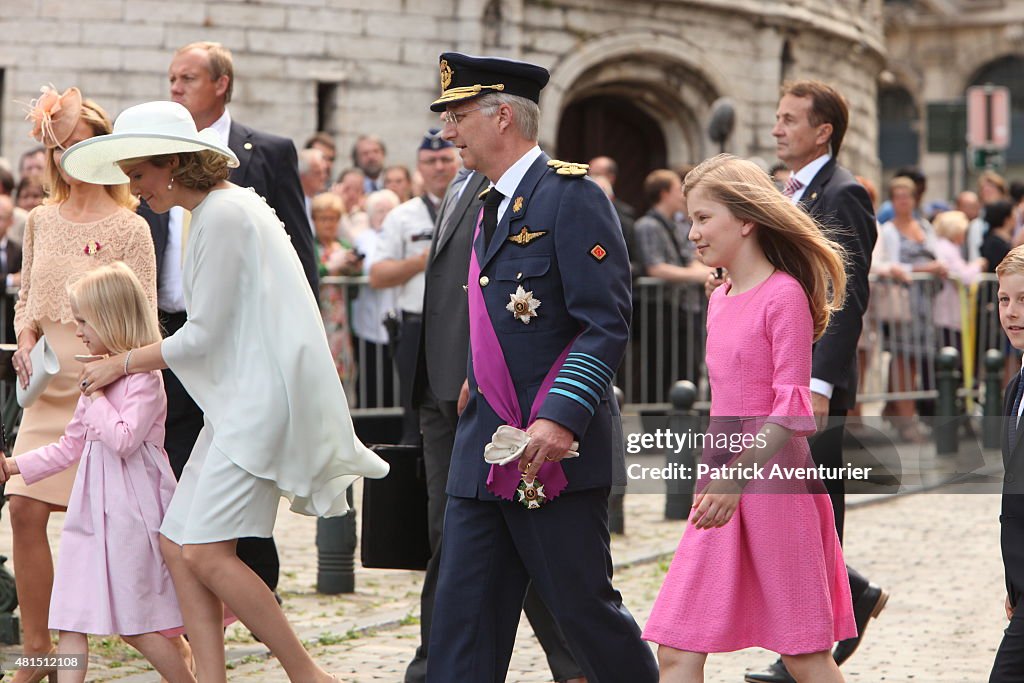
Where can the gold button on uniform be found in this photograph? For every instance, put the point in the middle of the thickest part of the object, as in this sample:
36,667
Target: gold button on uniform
484,281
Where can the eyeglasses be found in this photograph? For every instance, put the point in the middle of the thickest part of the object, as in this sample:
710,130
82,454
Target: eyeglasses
450,118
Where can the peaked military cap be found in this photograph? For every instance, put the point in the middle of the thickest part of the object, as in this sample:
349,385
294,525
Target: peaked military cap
464,77
433,140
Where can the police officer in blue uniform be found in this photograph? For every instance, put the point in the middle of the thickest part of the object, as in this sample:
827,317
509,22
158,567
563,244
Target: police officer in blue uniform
549,297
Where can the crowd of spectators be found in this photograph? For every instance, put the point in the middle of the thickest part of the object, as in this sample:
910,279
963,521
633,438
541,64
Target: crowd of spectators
348,208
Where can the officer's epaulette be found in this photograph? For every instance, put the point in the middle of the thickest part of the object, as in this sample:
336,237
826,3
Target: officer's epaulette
569,168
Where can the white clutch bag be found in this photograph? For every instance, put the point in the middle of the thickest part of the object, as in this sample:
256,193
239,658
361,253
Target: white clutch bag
45,365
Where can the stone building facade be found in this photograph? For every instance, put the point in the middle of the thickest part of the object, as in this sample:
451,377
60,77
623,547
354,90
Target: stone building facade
936,49
636,79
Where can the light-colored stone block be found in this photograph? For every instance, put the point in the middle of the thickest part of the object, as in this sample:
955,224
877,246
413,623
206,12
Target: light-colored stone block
286,43
101,33
331,21
161,12
246,16
76,9
403,25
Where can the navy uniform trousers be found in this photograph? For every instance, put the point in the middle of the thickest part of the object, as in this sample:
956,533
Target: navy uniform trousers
560,241
502,547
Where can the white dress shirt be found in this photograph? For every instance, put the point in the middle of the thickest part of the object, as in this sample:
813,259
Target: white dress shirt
510,179
170,293
805,175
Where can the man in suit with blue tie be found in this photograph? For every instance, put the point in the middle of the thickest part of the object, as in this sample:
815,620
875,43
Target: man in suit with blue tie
549,309
1009,663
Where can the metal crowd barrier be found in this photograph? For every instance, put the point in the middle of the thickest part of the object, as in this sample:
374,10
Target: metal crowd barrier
905,326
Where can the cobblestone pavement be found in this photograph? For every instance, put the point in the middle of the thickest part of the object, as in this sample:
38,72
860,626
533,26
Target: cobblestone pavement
937,554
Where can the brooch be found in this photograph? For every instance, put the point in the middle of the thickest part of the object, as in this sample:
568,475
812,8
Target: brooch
523,305
92,248
531,495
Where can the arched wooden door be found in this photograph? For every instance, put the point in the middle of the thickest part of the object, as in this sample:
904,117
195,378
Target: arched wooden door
604,125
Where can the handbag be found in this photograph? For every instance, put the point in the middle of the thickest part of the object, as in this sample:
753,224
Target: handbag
395,532
890,301
45,365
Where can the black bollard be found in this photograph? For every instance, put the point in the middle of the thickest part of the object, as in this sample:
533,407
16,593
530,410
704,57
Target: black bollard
992,427
947,422
616,514
679,491
336,552
10,632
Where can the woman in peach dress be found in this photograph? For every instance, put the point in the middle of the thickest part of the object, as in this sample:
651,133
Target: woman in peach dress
78,228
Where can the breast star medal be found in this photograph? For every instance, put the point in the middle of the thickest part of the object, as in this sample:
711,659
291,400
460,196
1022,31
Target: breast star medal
530,494
523,305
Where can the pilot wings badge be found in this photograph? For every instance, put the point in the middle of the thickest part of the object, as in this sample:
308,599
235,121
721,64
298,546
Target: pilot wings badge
524,236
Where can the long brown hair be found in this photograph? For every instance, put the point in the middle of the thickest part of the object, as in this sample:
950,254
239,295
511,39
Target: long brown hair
53,182
791,240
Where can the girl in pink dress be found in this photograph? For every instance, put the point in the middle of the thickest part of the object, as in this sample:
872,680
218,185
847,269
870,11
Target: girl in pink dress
761,569
111,577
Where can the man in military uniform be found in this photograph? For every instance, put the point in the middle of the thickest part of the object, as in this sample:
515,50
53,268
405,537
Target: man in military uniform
549,307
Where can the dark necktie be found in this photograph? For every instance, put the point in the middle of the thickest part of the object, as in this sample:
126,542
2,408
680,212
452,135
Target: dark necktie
1011,424
491,202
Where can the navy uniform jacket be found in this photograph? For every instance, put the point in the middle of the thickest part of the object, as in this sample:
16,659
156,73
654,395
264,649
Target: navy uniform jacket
578,267
1011,516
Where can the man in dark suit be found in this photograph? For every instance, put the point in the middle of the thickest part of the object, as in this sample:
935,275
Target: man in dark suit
201,79
439,380
1009,662
545,343
810,124
10,266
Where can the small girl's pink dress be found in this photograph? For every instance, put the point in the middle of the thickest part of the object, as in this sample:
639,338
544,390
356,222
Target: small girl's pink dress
110,576
774,575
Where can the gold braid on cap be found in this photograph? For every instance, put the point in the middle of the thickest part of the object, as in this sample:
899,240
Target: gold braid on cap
453,94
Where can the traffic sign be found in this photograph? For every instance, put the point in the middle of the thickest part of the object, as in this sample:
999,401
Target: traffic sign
988,116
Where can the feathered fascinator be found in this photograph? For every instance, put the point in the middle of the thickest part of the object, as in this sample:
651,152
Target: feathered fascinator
54,116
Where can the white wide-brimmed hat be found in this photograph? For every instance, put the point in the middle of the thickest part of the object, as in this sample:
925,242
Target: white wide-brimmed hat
144,130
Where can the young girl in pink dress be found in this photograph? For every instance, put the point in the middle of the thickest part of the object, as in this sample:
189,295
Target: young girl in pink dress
111,577
761,569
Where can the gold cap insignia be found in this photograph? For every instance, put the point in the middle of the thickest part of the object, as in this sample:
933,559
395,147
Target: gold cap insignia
446,75
517,205
524,236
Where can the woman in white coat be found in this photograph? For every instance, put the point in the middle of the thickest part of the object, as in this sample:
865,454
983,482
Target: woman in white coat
254,356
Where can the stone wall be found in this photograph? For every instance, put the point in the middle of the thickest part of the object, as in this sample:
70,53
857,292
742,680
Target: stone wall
676,57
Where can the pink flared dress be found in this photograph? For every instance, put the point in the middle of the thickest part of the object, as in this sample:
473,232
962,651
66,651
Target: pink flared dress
774,575
110,576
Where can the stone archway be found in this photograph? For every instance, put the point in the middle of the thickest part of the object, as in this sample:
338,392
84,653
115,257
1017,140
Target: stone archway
899,125
645,77
608,125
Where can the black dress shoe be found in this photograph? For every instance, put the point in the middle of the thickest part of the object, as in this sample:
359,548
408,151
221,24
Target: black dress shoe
870,604
776,673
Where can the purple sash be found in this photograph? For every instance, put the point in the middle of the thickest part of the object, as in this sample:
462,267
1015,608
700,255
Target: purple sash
495,386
